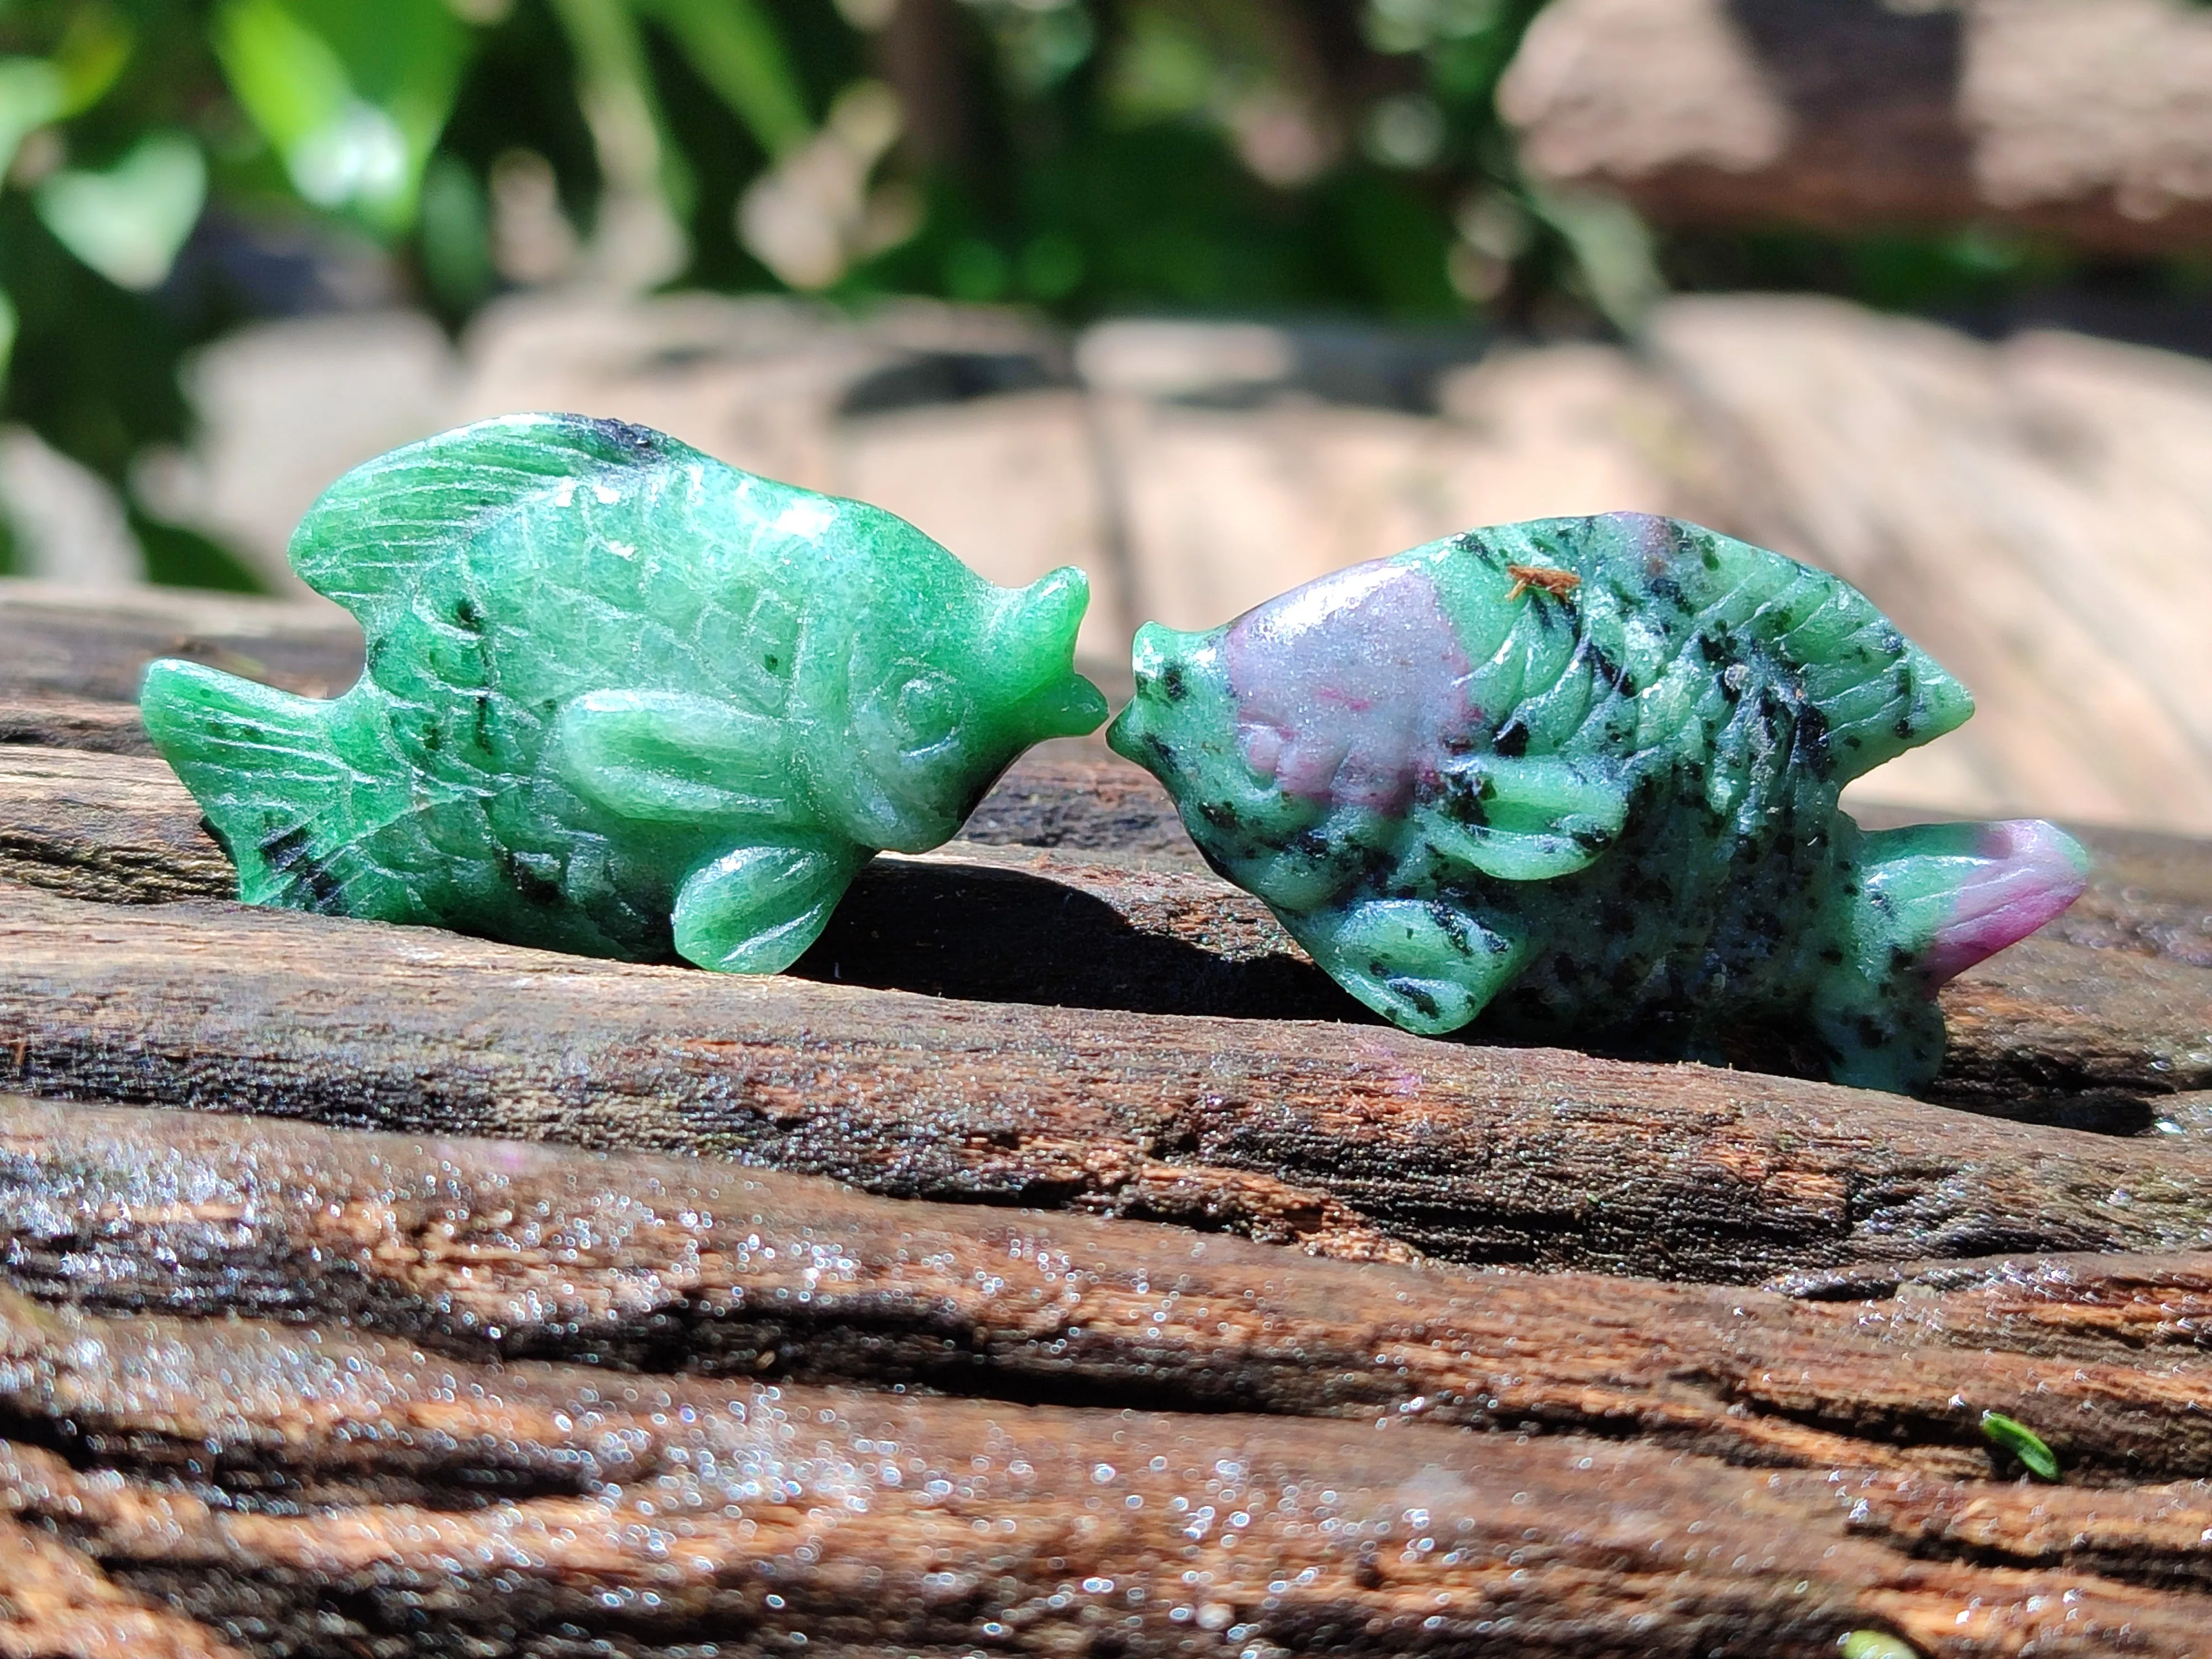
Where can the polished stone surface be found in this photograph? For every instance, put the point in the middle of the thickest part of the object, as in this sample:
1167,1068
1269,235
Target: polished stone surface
1579,776
620,699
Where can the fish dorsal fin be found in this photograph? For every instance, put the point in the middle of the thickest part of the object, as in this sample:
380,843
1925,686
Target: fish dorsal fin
1878,693
363,543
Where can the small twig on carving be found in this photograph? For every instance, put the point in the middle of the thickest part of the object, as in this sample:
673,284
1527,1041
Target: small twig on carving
1557,583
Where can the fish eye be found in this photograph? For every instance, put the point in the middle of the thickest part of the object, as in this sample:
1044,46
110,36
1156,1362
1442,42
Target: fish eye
927,711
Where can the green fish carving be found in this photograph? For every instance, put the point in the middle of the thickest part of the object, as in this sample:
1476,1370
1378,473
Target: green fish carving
619,698
1579,776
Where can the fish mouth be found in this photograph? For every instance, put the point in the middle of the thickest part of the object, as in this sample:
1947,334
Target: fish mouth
1037,633
1072,711
1132,737
1126,736
1161,670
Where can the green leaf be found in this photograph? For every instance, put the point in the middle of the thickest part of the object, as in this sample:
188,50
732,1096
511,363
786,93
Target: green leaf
7,335
353,98
456,234
405,56
734,47
93,49
2022,1442
290,80
629,131
1613,251
1873,1644
129,222
33,92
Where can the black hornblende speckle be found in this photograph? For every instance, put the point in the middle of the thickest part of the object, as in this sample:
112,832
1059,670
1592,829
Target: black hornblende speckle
532,887
287,853
286,848
637,442
1421,1000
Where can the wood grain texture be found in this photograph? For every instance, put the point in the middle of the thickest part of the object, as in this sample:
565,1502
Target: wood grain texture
530,1508
64,722
105,826
367,1456
58,641
2077,119
494,1250
1328,1134
2103,1008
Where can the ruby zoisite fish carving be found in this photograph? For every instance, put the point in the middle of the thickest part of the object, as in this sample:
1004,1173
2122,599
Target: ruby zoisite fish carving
1579,776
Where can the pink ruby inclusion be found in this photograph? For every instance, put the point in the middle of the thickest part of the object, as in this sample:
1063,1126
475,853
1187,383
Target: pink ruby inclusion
2032,871
1352,689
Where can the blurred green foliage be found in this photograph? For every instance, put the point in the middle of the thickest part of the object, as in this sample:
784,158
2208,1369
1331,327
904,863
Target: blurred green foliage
172,167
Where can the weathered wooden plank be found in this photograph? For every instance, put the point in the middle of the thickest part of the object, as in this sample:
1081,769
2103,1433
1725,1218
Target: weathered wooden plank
2068,1029
2077,121
2188,1115
2049,1018
492,1249
57,641
55,1600
305,1486
1324,1132
467,1524
79,723
105,826
328,1488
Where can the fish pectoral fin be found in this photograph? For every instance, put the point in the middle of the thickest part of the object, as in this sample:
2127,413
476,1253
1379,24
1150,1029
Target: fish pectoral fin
1425,967
1540,818
755,909
670,757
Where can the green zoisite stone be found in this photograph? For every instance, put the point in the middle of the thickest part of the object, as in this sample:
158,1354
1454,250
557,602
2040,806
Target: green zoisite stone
1579,776
620,699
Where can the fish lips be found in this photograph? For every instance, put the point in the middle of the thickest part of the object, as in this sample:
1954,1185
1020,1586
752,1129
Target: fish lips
1167,666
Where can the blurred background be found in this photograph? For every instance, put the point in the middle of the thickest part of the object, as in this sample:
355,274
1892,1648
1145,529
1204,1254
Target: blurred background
1208,297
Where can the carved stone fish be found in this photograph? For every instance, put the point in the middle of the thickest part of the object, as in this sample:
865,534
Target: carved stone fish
619,698
1580,775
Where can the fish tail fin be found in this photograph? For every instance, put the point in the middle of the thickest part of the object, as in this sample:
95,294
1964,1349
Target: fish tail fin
260,764
1946,896
1928,902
